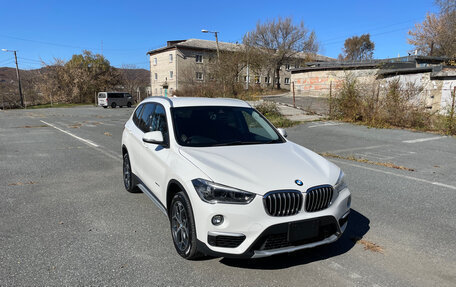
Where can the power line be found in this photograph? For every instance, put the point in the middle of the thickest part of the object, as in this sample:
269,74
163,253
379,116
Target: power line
39,61
368,30
375,34
66,45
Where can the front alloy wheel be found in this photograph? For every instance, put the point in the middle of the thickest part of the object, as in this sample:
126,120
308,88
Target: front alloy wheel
179,223
183,226
127,174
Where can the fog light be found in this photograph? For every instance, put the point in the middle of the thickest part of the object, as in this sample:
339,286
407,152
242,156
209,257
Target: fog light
349,201
217,219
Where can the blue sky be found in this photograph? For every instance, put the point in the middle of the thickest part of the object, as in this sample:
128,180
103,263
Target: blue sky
128,29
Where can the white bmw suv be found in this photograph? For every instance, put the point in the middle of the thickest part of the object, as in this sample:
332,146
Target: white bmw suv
230,183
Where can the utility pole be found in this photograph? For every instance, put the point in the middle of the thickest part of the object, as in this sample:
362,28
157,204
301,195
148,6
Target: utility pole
248,57
18,77
218,50
216,41
294,99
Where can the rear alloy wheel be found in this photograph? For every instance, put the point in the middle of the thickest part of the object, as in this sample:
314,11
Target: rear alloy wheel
127,174
183,226
113,105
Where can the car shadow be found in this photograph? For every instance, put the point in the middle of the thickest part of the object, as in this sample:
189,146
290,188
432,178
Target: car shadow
358,226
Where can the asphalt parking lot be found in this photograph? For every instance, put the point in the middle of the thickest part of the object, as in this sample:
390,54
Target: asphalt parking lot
67,220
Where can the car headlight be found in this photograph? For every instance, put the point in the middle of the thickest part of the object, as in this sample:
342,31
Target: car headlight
340,184
212,192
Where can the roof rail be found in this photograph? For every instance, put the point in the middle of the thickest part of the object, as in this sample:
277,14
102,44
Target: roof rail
164,98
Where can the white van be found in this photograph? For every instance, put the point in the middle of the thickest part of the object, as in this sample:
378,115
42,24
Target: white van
114,99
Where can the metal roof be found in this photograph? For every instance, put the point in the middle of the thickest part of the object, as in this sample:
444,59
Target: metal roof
200,44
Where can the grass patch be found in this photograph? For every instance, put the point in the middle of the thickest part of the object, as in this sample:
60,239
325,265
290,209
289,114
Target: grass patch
61,105
363,160
368,245
272,113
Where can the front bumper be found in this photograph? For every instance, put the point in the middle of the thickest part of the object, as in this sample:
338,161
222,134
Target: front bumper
248,232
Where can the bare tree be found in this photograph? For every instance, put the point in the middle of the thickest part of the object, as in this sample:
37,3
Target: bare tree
436,35
133,78
277,41
358,48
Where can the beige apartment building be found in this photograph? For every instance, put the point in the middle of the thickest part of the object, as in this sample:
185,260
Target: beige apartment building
186,62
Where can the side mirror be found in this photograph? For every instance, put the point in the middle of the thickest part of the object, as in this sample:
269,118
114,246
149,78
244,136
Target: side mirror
283,132
155,137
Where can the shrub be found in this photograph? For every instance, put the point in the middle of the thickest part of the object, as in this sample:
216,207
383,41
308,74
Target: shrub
399,105
347,102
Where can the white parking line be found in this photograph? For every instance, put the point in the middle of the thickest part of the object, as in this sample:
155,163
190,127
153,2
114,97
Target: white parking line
68,133
359,148
88,142
398,175
423,140
326,124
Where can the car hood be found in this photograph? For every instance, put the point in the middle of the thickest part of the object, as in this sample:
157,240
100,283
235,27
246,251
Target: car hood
262,168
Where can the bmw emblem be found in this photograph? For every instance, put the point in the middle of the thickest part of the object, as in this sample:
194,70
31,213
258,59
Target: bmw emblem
298,182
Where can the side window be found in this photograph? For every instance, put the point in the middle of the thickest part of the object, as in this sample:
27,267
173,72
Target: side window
146,116
158,121
137,114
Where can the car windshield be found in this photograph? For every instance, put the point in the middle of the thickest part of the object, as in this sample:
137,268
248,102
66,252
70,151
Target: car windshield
221,126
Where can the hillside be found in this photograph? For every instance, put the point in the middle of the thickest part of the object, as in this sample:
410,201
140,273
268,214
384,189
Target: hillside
8,75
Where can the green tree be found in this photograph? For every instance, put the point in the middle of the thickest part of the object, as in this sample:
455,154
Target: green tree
88,73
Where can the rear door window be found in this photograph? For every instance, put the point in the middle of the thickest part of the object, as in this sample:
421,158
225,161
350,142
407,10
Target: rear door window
137,114
158,121
146,116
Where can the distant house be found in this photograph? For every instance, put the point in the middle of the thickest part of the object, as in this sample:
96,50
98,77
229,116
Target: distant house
436,76
183,62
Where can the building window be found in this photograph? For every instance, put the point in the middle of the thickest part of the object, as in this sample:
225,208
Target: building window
287,66
199,76
170,74
245,79
257,79
287,81
156,76
266,79
170,58
199,58
155,61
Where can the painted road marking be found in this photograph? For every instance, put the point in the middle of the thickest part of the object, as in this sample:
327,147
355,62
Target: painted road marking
68,133
87,142
326,124
398,175
423,140
359,148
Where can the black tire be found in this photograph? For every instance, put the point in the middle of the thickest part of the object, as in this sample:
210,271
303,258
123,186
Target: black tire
120,106
105,107
183,229
129,104
113,105
127,174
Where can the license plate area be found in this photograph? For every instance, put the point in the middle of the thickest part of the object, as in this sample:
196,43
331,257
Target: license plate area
304,230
